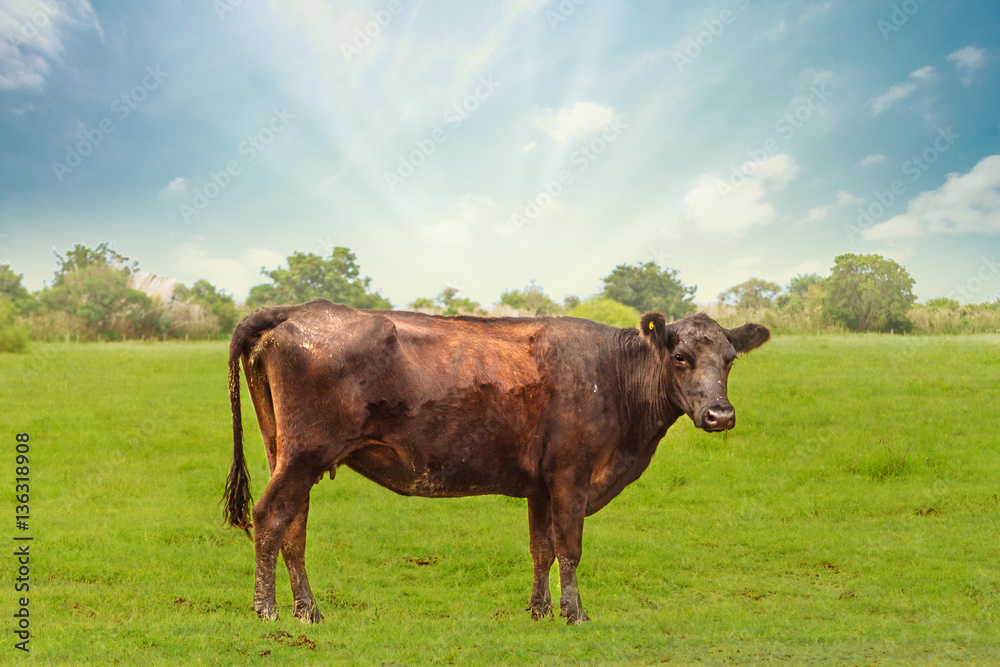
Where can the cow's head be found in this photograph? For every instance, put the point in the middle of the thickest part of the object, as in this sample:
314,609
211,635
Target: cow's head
696,354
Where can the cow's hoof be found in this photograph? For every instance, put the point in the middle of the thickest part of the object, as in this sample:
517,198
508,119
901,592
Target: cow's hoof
267,613
540,611
308,613
573,613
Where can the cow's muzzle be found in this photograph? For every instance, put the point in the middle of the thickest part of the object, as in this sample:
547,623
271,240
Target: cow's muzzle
719,417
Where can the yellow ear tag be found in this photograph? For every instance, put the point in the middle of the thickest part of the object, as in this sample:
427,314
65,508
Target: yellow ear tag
652,325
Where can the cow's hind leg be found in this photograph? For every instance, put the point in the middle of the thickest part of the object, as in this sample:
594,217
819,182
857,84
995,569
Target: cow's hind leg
278,507
293,550
542,554
568,507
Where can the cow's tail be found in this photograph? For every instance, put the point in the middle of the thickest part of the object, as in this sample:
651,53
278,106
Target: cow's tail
237,500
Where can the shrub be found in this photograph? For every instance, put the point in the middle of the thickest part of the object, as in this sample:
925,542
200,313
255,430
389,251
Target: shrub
608,311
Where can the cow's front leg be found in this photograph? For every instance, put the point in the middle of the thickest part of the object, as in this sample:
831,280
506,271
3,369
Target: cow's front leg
568,508
542,554
272,515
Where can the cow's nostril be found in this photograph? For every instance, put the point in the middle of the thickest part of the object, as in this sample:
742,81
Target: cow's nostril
720,418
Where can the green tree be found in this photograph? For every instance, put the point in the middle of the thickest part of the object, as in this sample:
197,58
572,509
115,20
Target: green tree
81,257
309,276
453,305
99,297
648,287
943,303
532,300
601,309
801,283
91,285
220,304
868,293
423,303
12,289
13,336
754,294
448,303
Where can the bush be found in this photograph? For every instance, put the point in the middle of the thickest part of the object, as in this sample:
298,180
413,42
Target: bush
608,311
13,336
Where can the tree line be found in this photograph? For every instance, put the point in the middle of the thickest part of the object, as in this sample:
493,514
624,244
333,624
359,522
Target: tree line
99,294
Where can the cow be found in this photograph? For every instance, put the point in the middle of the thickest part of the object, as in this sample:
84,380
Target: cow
562,411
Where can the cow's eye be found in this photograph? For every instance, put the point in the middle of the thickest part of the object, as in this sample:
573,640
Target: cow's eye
679,358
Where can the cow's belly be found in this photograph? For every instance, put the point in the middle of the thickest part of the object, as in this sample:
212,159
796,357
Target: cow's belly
440,472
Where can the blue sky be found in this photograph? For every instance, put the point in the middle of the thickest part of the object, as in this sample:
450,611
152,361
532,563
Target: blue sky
483,145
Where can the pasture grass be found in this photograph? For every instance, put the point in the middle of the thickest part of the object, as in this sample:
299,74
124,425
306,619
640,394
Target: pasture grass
851,517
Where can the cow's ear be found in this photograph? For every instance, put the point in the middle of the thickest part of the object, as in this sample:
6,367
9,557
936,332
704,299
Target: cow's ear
748,337
654,329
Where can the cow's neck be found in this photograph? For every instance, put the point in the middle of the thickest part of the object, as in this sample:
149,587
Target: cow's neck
646,409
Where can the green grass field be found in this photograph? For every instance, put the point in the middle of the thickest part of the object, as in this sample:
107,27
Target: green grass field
853,516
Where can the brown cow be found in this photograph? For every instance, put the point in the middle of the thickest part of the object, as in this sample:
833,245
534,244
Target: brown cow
562,411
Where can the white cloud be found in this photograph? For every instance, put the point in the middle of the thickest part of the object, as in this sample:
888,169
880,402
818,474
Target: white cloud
817,213
965,204
869,160
530,146
775,33
33,38
583,119
457,225
718,206
192,263
177,186
968,61
845,198
900,91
